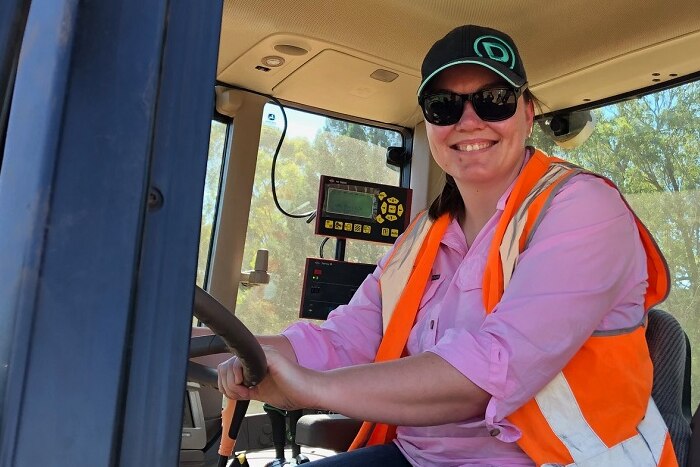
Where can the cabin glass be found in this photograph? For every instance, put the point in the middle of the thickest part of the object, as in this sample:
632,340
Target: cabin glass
212,190
314,145
650,148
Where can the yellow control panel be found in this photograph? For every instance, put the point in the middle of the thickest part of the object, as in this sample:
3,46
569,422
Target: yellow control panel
362,210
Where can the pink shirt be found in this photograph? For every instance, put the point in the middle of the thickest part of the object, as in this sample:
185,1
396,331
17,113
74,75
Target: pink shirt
585,270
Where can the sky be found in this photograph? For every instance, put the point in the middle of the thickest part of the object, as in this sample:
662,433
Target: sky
300,124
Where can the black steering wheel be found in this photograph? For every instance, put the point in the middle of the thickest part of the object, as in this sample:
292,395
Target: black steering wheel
231,335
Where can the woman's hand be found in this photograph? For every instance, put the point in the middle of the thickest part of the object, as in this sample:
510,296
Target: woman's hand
231,379
287,385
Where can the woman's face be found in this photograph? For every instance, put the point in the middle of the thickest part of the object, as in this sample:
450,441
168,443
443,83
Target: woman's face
473,151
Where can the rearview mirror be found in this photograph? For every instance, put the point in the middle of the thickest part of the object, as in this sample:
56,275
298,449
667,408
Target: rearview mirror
569,130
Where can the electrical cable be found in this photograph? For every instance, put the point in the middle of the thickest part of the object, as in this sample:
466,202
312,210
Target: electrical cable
277,151
323,243
274,165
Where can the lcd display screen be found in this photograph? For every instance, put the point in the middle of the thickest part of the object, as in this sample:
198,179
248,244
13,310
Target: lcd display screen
349,203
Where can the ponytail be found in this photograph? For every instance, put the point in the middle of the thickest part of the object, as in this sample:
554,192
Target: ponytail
448,201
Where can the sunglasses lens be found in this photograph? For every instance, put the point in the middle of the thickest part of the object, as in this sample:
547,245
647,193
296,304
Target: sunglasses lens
442,108
493,105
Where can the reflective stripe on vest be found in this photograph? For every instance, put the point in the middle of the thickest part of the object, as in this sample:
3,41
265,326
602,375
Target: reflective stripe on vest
615,423
544,191
559,406
400,265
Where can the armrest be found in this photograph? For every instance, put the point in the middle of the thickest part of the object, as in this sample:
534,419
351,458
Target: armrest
327,431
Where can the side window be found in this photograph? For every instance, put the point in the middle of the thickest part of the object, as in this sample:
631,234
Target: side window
313,146
212,189
650,148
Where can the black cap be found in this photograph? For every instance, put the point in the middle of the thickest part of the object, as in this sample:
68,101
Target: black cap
476,45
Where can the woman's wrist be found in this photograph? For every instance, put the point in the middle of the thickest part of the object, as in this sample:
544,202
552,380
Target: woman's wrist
318,390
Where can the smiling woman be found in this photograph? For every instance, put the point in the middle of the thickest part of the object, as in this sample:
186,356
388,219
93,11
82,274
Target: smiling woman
511,354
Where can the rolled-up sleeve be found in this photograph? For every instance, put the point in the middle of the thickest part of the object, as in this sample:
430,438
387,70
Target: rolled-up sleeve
584,269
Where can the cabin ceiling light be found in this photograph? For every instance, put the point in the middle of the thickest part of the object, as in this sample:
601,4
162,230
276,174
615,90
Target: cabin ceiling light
288,49
384,75
272,61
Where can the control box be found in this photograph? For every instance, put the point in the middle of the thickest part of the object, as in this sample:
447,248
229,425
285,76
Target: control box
328,284
362,210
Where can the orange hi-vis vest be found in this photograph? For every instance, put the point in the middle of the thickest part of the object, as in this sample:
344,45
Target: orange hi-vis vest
598,410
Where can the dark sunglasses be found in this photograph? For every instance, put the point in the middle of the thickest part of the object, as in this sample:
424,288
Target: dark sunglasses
491,105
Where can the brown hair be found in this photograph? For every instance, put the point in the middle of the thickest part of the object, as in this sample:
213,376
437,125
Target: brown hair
450,200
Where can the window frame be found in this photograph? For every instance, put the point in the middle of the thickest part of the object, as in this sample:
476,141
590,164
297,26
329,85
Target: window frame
229,122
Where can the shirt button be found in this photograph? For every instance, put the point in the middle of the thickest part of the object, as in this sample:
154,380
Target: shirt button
494,432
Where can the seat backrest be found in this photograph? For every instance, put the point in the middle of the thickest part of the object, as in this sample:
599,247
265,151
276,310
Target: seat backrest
694,452
670,353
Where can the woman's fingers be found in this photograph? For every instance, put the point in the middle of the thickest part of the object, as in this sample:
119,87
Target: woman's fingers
231,378
287,384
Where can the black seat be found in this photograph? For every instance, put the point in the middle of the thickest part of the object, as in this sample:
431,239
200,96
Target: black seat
670,352
694,453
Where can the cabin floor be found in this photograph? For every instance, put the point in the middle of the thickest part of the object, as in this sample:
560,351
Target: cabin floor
263,457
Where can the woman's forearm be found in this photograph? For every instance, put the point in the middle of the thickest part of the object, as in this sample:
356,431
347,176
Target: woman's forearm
421,390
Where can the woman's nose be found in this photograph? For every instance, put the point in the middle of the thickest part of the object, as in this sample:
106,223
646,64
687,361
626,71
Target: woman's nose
469,118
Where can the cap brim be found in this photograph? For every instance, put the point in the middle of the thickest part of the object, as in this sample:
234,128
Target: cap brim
513,79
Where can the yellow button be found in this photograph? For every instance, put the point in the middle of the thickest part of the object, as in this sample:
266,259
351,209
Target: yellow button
380,219
357,228
383,207
381,196
338,225
385,231
399,210
391,217
348,226
329,224
392,200
394,232
392,209
366,229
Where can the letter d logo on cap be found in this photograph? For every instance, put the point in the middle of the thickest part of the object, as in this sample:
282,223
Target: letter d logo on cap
496,49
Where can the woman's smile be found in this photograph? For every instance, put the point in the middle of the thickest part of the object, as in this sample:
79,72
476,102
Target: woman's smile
477,146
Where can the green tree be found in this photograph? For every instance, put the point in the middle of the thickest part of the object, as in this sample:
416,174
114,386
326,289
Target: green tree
341,149
217,139
365,133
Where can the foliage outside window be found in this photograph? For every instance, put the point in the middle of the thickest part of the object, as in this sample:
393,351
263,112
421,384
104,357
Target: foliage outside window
314,146
650,147
212,185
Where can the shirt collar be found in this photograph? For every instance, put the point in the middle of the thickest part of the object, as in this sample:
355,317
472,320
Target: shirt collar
454,238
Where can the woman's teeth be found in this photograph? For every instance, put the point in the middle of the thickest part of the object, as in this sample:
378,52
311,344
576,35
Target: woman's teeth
472,147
